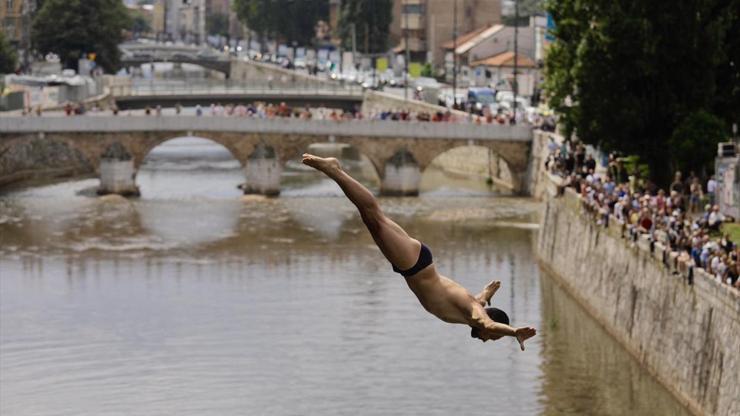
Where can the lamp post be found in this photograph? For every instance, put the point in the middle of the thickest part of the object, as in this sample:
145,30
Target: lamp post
454,53
516,55
408,55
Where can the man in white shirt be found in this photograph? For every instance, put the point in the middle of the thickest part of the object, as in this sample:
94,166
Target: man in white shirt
715,218
711,189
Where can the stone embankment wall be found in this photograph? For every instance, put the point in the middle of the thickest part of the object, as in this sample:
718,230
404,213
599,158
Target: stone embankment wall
679,323
540,183
376,101
261,74
41,159
474,161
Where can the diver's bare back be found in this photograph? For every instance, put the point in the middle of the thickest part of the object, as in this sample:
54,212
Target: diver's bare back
439,295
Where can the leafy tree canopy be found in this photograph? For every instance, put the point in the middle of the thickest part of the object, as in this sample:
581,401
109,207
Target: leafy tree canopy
139,22
73,28
624,74
217,24
8,58
371,20
694,142
288,20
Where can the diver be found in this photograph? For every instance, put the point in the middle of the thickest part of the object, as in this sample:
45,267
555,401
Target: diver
439,295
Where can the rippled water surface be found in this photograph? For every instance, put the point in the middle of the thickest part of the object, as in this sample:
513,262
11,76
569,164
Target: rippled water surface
194,300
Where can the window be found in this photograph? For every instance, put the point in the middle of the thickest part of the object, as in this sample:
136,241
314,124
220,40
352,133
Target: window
413,8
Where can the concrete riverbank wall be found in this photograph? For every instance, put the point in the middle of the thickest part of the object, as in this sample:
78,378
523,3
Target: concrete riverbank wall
378,101
679,323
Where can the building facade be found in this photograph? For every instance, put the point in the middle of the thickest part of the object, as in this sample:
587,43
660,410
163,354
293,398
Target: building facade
16,17
485,56
180,20
429,24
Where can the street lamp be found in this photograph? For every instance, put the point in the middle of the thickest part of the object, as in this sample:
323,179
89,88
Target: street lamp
406,50
454,53
516,55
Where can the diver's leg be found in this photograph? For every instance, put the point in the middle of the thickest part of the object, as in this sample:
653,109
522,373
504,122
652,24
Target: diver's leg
395,244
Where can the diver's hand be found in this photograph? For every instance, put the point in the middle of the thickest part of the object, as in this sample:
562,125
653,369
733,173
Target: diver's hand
524,333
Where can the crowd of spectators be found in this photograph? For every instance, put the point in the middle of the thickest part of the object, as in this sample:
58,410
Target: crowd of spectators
685,218
270,110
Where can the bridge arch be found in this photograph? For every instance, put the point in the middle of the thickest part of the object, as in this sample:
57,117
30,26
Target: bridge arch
474,160
140,153
421,152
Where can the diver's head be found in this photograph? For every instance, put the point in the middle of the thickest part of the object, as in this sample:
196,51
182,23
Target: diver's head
496,315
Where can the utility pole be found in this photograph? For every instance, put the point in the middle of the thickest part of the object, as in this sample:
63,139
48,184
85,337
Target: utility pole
354,45
516,54
367,39
408,55
27,10
202,23
165,9
454,53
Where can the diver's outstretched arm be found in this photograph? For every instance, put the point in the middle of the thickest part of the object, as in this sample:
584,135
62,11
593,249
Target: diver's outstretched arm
493,330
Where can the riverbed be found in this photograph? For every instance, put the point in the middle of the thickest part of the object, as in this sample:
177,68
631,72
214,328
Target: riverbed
196,300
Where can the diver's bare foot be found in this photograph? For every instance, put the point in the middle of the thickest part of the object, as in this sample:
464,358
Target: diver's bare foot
484,297
324,164
493,287
523,334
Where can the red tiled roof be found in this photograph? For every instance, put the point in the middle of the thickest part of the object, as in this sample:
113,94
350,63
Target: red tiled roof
506,59
463,38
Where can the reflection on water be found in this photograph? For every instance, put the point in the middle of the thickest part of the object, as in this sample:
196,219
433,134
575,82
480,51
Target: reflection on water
194,300
601,377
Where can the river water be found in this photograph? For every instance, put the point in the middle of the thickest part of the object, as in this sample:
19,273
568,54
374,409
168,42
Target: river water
194,300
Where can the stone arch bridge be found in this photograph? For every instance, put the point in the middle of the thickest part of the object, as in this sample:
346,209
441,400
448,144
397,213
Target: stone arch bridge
116,146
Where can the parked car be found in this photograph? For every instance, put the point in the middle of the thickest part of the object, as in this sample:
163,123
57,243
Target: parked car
480,98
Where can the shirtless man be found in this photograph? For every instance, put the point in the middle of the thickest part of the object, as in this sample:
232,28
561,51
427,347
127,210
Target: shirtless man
439,295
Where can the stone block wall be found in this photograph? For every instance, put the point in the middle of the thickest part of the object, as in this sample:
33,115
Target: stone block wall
40,158
266,75
376,101
680,324
540,182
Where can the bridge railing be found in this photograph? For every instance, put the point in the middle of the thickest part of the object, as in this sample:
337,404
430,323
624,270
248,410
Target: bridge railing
257,89
193,124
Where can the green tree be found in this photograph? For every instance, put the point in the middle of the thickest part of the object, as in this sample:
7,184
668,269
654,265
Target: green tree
139,22
694,142
73,28
217,24
371,19
727,72
8,58
624,74
531,7
285,20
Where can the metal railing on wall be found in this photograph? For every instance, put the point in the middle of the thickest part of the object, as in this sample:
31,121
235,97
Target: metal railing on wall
237,88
